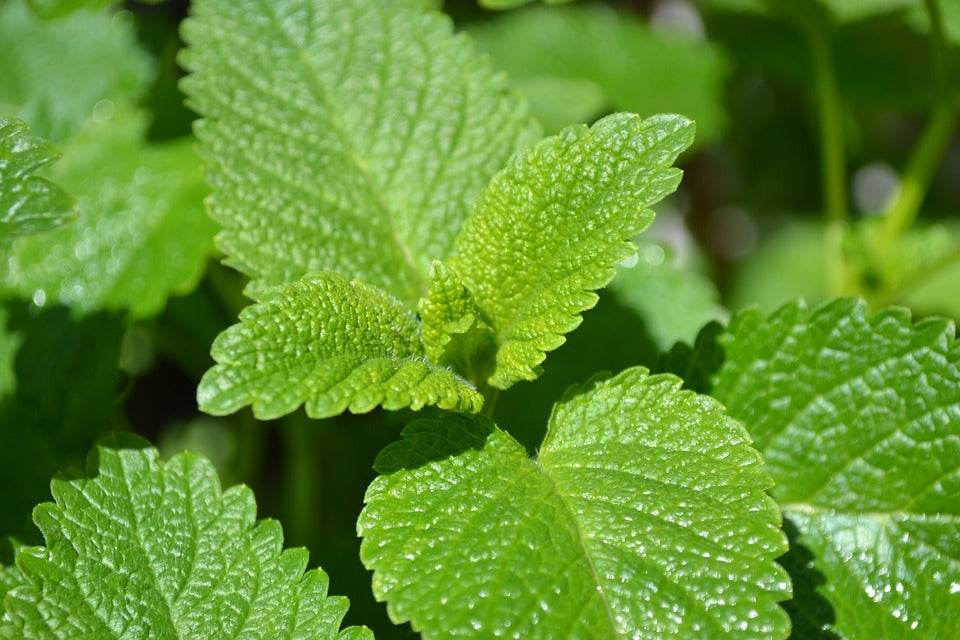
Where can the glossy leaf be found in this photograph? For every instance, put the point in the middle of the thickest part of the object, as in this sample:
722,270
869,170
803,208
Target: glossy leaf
146,548
343,136
28,202
550,227
643,516
332,345
858,419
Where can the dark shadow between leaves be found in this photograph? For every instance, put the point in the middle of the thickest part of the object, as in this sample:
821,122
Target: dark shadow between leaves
696,365
810,613
612,337
429,440
67,379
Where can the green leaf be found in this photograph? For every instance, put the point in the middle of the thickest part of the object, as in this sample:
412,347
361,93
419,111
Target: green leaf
10,576
550,227
858,418
147,549
60,8
343,136
332,345
452,328
578,62
56,74
643,516
28,202
142,234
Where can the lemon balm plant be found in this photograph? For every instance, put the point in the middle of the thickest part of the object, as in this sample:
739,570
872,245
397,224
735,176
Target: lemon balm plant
410,240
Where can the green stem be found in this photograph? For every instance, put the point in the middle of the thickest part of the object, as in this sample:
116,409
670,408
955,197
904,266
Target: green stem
921,168
490,395
832,153
927,155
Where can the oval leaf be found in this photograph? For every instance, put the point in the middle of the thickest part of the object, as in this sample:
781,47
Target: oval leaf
332,345
644,516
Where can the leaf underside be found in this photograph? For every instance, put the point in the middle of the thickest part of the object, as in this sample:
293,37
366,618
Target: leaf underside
549,228
644,516
331,345
858,419
147,549
343,136
28,202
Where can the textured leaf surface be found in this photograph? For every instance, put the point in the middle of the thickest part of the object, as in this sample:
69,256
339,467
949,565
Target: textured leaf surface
343,136
141,235
858,418
28,202
331,345
577,62
550,227
148,549
643,516
454,332
57,74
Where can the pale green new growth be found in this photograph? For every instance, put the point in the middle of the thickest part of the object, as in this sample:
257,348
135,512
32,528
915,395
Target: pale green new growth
147,549
28,202
550,227
141,235
452,329
858,418
332,345
349,136
644,516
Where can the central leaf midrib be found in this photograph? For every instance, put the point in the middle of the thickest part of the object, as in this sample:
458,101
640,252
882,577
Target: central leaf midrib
353,155
587,554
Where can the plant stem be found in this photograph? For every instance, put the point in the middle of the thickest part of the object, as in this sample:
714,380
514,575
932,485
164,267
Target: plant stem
832,153
490,395
917,176
928,154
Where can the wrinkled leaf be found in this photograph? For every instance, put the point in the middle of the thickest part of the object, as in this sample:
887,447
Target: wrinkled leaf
151,549
332,345
858,419
643,516
28,203
343,136
550,227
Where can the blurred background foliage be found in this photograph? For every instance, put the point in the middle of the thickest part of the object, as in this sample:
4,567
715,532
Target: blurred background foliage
826,163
